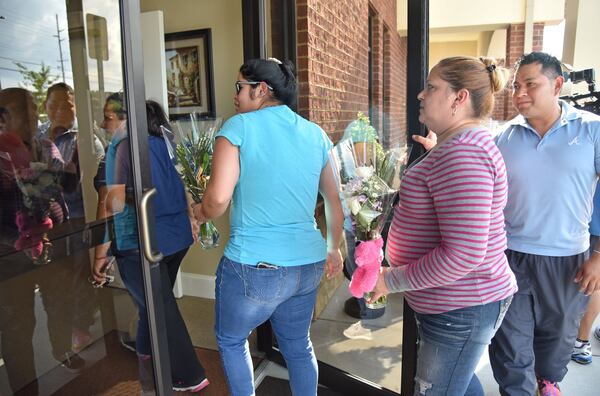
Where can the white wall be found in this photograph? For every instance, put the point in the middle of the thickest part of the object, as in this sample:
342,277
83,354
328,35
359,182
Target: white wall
497,47
438,51
448,14
155,71
582,30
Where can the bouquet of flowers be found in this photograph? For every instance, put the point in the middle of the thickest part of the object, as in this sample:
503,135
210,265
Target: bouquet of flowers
369,178
194,157
40,188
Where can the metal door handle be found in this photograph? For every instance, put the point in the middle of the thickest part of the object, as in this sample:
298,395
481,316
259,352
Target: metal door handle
148,252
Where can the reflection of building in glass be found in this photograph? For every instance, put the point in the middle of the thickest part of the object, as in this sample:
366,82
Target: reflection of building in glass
183,83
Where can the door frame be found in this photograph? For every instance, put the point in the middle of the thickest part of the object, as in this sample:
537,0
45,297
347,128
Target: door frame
417,69
135,100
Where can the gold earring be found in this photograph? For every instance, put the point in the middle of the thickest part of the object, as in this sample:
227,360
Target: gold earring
453,111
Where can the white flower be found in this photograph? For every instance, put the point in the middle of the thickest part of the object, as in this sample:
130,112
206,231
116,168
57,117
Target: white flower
366,216
353,205
364,171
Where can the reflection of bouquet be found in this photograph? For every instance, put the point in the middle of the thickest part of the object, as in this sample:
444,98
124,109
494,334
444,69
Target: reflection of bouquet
40,189
370,178
194,157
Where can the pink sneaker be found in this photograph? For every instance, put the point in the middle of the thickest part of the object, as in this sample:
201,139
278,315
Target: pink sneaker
547,388
181,387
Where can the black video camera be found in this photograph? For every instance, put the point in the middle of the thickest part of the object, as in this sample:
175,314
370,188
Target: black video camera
587,75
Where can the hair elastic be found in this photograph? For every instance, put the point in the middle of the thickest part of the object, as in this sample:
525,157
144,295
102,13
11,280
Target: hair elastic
491,68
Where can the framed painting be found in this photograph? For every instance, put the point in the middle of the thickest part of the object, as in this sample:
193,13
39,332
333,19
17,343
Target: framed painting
190,86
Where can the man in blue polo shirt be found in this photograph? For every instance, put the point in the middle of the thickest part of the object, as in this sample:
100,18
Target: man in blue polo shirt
552,156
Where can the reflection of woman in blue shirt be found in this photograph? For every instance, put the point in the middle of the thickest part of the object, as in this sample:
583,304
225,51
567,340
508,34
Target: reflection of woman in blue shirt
171,218
271,163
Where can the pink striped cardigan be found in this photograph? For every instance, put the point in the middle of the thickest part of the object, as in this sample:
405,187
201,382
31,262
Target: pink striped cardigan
447,240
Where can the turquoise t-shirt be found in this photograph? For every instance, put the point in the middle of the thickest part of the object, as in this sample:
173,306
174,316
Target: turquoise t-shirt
272,211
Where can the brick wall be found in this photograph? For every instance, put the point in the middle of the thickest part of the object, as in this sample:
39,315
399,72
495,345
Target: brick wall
515,44
332,39
392,105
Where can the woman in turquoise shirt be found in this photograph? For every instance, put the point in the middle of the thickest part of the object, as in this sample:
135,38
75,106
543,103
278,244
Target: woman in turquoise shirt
271,164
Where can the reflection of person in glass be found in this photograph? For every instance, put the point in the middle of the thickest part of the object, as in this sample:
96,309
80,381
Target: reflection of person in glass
62,129
171,214
18,274
446,242
71,269
113,124
275,256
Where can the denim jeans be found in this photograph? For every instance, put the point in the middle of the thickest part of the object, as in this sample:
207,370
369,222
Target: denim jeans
450,346
247,296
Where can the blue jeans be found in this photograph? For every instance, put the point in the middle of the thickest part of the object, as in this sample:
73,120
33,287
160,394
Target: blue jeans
185,367
450,346
247,296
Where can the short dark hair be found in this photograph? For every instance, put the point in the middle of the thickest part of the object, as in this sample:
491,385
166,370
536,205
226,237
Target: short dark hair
550,64
156,118
278,75
61,86
117,105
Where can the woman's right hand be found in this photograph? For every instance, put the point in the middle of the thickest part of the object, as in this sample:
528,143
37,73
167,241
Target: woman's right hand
101,260
198,215
99,269
428,141
334,263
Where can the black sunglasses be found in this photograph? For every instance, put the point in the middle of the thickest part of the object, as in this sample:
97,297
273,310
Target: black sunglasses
239,85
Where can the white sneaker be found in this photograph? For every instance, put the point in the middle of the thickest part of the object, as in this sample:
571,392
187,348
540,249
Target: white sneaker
597,333
357,331
582,352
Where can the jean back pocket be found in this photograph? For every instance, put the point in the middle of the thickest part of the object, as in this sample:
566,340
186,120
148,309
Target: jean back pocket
263,285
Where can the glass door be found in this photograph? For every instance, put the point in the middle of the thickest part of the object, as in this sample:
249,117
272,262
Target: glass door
360,350
71,94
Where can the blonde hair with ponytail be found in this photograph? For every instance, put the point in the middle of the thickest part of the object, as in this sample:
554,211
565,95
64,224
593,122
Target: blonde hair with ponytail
482,77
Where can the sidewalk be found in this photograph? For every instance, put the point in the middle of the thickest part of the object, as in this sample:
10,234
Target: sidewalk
580,380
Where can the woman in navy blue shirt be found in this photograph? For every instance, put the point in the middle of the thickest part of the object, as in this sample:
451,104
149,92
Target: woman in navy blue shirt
171,217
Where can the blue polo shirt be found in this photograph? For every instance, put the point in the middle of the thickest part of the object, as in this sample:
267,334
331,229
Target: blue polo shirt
272,211
595,223
551,182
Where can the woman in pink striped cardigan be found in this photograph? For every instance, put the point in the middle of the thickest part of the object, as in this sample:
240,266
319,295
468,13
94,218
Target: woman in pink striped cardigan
447,240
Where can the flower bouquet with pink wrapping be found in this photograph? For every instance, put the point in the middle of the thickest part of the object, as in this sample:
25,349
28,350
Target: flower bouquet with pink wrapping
370,178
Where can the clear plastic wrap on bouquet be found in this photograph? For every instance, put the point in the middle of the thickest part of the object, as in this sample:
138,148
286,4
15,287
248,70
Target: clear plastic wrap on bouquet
368,186
194,151
369,178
